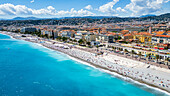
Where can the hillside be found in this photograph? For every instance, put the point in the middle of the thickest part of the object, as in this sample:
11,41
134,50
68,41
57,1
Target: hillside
80,20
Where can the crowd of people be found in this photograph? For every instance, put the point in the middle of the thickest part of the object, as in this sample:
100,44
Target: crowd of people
117,65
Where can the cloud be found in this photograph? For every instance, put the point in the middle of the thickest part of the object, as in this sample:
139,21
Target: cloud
32,1
74,12
10,9
119,9
80,12
143,7
89,7
108,8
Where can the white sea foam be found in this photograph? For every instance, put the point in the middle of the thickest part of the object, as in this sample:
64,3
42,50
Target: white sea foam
82,62
134,82
142,85
6,39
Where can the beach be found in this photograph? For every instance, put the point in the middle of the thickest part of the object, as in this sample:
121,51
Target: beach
147,74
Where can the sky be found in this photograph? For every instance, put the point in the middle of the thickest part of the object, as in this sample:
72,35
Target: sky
71,8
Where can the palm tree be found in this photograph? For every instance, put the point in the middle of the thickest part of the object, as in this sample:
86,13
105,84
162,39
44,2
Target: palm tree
113,48
88,43
80,41
74,40
149,55
133,52
157,57
167,59
119,49
126,50
140,54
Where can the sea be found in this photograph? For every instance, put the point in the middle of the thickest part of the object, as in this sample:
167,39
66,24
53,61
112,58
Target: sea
28,69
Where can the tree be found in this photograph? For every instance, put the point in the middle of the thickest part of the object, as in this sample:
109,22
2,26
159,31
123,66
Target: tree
157,57
149,56
59,37
140,54
80,41
113,48
126,50
133,52
97,46
88,43
119,37
74,40
46,35
167,59
119,49
64,38
70,39
51,36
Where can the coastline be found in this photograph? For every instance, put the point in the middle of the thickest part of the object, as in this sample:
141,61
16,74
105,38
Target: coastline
115,74
107,70
120,76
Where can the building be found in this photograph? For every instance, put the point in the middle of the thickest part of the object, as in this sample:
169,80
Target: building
161,41
128,37
102,38
80,35
25,29
165,39
143,37
90,37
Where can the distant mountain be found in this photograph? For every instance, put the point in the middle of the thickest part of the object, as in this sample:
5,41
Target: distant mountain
26,18
149,15
34,18
167,15
91,17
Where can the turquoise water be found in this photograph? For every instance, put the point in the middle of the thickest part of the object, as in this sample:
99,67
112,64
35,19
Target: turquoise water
27,69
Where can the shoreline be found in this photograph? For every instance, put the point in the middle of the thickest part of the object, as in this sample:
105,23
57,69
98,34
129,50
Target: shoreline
120,76
112,72
129,79
106,70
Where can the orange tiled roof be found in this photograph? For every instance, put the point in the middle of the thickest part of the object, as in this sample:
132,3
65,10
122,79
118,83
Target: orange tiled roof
159,32
124,31
168,36
128,35
144,33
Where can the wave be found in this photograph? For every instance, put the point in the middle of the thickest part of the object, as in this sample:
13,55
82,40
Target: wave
142,85
9,39
82,62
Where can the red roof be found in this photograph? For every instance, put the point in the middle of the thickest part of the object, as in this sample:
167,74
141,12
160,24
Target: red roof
168,36
128,35
144,33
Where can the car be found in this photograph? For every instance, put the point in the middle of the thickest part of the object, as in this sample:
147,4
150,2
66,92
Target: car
143,58
160,62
